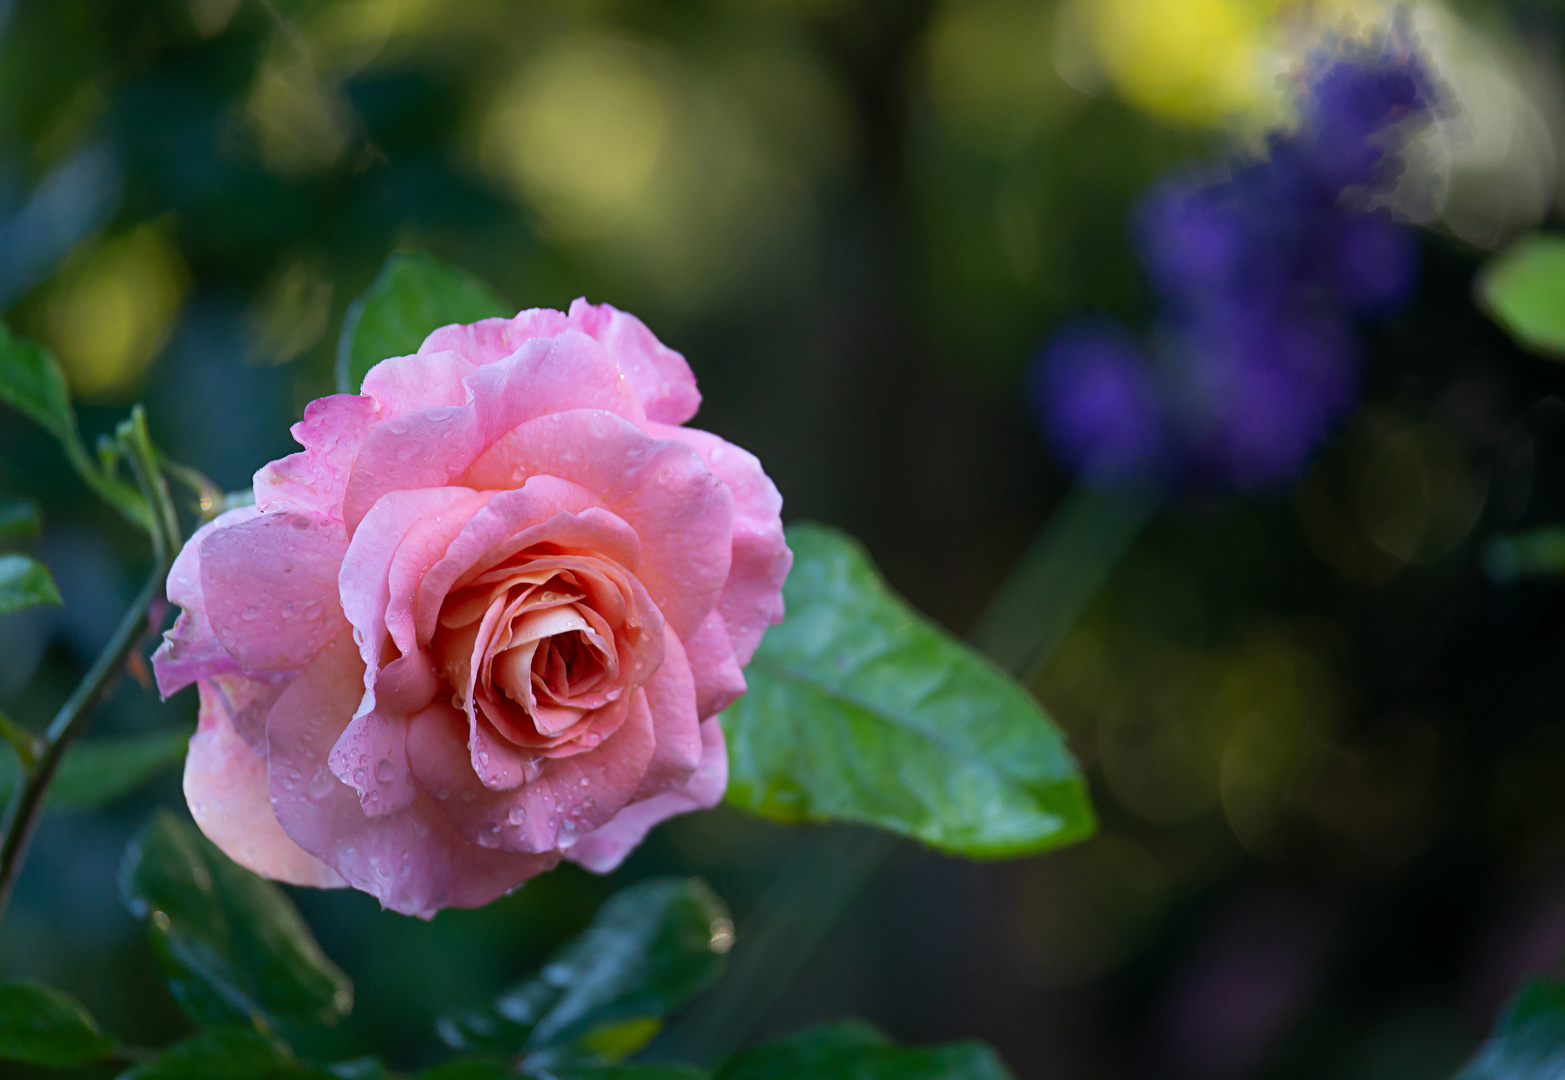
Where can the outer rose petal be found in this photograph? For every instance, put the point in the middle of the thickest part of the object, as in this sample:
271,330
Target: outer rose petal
191,651
671,696
658,375
603,850
719,681
332,432
225,785
270,586
680,510
413,860
752,596
488,340
405,384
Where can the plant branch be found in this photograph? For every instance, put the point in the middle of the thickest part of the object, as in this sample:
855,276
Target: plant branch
69,723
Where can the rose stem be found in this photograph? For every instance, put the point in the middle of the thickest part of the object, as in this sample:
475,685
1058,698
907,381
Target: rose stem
71,720
1028,618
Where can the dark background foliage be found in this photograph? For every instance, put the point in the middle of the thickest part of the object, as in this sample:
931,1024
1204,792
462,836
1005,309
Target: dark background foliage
1327,751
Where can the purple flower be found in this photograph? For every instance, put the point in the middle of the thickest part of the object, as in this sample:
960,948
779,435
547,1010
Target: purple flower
1094,393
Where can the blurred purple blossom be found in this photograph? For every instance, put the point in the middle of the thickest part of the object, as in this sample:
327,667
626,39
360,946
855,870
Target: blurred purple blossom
1260,268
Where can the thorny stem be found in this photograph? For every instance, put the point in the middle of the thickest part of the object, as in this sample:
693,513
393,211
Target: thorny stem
71,720
1030,616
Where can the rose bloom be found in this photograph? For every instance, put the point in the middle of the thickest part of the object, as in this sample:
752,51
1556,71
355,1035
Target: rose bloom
483,622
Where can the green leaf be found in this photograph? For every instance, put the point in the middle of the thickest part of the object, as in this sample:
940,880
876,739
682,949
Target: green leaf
25,582
32,383
99,771
412,296
856,1051
1537,552
860,709
19,517
618,1072
238,1053
473,1068
1528,1043
1523,289
42,1026
232,946
648,949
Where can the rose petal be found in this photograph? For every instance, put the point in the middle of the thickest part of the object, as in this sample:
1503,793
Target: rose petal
371,756
190,650
427,448
225,785
752,596
270,586
332,432
681,512
671,697
659,376
561,799
412,860
719,681
604,849
364,579
489,340
405,384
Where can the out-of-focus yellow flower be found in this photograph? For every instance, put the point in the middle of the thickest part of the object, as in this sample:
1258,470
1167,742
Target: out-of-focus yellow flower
1194,61
112,307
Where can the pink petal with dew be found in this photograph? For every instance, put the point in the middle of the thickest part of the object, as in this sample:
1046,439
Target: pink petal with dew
427,448
191,651
363,582
405,384
752,595
671,697
681,512
411,859
332,432
246,698
270,586
560,799
225,785
659,376
371,757
718,680
425,544
489,340
604,849
546,376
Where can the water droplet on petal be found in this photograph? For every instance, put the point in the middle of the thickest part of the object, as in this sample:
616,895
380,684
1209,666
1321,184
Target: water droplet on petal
384,771
409,450
443,794
585,781
361,778
288,610
249,613
467,796
321,784
517,815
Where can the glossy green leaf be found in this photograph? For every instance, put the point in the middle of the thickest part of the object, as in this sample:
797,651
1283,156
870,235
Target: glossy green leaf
648,949
856,1051
236,1053
42,1026
32,383
96,772
25,582
1523,289
232,946
412,296
1529,1041
19,517
860,709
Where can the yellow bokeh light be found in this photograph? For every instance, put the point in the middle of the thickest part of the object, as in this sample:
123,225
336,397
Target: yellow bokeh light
112,307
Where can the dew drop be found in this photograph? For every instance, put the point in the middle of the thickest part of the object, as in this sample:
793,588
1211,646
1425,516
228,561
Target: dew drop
361,778
374,797
384,771
249,613
300,522
585,782
467,796
409,450
516,816
321,784
288,610
443,794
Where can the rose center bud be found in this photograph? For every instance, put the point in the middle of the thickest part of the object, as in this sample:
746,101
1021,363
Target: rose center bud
527,650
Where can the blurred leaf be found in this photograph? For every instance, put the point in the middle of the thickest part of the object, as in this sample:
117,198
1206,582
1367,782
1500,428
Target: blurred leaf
412,296
96,772
226,1054
42,1026
19,517
860,709
31,382
621,1072
231,945
1523,289
469,1069
363,1068
1528,1043
25,582
856,1051
1534,553
647,951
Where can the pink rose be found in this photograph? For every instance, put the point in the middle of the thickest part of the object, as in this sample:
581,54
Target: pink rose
482,622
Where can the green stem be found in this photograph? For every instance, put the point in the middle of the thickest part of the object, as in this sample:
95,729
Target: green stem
69,723
1029,617
24,742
